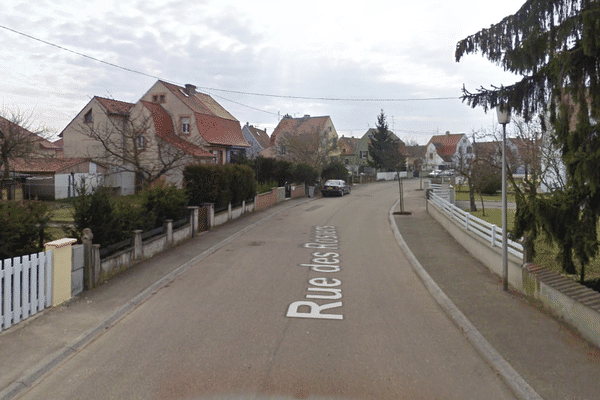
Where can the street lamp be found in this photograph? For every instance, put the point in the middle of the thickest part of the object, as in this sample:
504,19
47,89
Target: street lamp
503,119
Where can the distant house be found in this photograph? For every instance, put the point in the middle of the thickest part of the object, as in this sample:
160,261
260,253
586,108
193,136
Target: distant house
447,151
362,147
257,138
169,127
348,153
31,144
415,159
312,140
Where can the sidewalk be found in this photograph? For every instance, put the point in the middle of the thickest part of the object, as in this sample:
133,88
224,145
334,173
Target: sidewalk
547,354
33,347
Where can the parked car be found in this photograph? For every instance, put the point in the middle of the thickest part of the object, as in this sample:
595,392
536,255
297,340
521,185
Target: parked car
435,174
335,186
448,172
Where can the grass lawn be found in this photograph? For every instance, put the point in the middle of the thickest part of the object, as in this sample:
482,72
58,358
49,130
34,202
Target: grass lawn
545,253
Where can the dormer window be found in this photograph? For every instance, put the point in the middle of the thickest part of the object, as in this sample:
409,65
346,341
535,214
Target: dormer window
88,118
185,124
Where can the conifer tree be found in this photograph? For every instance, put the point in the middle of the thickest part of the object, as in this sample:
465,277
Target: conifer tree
384,147
555,46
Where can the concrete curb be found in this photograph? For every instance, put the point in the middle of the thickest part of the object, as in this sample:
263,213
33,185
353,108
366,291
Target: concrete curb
52,361
508,374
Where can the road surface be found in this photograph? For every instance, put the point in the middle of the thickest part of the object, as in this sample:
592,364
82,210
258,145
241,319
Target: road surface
317,302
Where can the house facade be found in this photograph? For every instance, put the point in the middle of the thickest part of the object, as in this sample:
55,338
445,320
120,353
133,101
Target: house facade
169,127
312,140
257,139
363,157
348,153
447,151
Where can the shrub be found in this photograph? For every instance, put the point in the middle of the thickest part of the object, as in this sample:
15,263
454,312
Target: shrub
22,228
162,201
218,184
110,222
335,170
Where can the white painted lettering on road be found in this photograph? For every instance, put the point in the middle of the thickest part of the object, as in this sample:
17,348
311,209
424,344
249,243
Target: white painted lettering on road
314,310
323,237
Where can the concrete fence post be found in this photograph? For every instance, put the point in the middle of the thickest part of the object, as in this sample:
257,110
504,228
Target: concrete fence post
194,219
61,269
243,206
229,216
169,229
138,250
211,214
96,262
89,272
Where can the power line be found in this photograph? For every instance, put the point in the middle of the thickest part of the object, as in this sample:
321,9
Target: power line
231,91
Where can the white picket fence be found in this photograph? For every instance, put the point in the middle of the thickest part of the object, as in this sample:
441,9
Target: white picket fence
25,287
489,232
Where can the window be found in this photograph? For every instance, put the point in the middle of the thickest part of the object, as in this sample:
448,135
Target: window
87,118
140,142
364,155
158,98
185,124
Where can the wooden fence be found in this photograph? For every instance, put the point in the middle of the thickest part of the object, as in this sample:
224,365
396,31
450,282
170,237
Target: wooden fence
25,287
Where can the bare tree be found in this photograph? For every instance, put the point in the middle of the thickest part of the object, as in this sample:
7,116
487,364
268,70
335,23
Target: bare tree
314,148
18,139
130,143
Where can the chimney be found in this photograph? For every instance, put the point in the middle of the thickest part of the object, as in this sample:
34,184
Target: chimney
447,133
190,89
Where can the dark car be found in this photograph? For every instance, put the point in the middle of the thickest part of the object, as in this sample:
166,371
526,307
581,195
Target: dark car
335,186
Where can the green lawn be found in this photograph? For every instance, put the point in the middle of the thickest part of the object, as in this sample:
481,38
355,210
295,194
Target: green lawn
545,253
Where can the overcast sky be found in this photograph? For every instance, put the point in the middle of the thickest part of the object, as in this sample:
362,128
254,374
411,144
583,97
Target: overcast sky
396,49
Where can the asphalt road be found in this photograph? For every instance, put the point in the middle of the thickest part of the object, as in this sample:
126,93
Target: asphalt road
251,321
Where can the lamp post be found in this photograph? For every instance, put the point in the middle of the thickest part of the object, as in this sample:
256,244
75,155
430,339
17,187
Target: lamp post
503,119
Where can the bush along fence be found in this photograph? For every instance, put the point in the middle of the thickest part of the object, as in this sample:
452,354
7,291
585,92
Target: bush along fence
574,303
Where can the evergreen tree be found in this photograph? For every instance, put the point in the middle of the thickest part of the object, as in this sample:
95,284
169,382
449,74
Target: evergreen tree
555,45
384,147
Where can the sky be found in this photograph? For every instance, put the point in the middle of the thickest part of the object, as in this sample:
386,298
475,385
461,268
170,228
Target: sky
259,59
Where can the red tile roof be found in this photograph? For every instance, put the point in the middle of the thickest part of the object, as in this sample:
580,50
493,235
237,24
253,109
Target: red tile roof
115,107
348,145
446,144
5,124
163,125
261,136
216,125
44,165
219,131
305,124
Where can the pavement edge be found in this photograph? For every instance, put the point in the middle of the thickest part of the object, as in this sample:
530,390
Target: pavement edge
508,374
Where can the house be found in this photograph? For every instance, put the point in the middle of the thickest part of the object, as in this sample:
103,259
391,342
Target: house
348,153
28,143
415,159
57,178
447,151
256,138
362,148
311,140
199,119
169,127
